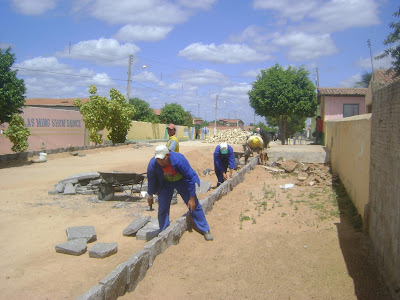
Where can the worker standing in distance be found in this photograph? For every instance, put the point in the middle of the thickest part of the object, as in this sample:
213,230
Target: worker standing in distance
173,145
173,142
223,158
167,171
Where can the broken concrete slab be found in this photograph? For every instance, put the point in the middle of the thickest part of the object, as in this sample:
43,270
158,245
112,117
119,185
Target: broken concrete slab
78,232
135,225
73,247
289,165
69,189
83,176
149,231
302,176
102,250
273,170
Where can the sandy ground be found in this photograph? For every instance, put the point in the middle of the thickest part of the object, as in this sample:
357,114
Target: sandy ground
269,243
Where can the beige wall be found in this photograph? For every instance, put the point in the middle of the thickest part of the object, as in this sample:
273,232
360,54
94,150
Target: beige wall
349,141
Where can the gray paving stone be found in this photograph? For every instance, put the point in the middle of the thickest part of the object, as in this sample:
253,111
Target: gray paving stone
135,225
149,231
102,250
137,265
86,232
115,282
74,247
204,187
95,293
82,176
155,247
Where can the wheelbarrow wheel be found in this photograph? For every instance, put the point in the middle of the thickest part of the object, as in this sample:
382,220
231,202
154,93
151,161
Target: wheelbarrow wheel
106,192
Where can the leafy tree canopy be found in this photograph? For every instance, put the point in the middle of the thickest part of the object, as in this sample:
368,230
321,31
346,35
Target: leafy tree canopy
365,79
394,40
143,112
99,113
18,133
282,93
174,113
12,89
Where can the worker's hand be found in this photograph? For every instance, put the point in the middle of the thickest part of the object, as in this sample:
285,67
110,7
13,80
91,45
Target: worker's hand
150,200
231,173
191,204
224,175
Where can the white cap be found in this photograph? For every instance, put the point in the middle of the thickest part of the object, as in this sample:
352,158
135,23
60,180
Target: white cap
223,147
161,151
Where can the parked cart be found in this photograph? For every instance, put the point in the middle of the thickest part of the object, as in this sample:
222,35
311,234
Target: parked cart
112,181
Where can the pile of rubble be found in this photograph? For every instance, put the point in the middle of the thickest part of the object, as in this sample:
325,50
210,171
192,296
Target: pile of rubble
231,136
307,174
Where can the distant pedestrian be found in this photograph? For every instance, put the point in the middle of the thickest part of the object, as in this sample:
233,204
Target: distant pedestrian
167,171
205,131
318,130
224,158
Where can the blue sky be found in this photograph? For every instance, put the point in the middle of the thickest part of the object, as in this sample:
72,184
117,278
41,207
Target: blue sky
187,51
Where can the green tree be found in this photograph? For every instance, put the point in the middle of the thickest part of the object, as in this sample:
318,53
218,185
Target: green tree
282,93
143,112
12,89
174,113
365,79
99,113
18,133
394,40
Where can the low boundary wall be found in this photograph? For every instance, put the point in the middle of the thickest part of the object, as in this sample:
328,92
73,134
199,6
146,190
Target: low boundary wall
125,277
348,141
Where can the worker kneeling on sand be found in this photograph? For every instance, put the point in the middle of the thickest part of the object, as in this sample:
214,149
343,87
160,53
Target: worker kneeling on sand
223,158
168,171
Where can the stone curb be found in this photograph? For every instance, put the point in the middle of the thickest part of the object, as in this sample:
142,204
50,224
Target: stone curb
125,277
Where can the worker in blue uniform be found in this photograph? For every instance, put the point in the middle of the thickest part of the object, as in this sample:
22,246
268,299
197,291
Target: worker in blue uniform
223,158
167,171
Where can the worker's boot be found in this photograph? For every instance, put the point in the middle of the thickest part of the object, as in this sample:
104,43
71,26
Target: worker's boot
174,199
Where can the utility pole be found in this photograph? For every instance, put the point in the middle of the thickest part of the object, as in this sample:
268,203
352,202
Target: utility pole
372,61
215,119
317,83
128,86
198,110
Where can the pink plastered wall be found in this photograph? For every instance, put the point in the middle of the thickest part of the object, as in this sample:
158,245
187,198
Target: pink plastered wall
334,106
50,129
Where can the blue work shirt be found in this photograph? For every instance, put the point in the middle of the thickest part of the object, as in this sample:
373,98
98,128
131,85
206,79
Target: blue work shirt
218,159
155,176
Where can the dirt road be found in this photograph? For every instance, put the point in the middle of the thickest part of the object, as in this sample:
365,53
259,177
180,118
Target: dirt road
269,243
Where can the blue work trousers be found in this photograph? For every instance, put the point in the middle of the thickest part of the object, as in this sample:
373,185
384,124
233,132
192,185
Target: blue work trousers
164,203
220,177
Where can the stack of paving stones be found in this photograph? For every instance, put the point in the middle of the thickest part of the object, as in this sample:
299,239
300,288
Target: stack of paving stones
83,183
125,277
79,236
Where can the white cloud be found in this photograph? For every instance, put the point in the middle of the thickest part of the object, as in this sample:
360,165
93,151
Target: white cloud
384,63
338,15
251,73
146,77
47,77
154,12
33,7
203,4
131,33
292,9
204,77
222,54
303,46
102,51
349,82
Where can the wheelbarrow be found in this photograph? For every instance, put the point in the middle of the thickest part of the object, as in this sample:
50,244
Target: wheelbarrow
112,181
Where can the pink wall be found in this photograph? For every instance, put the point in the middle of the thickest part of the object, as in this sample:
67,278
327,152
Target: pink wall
334,106
50,129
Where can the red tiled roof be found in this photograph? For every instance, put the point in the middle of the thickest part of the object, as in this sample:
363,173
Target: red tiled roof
342,91
157,111
384,76
52,101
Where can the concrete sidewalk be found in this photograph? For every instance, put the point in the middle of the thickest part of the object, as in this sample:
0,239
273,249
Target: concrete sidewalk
307,153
